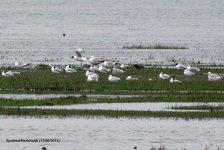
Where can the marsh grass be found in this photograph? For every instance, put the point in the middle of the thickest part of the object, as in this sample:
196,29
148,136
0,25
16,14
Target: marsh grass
156,46
151,97
109,113
41,80
200,107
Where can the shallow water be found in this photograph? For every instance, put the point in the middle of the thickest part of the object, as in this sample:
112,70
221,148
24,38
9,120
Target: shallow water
101,133
144,106
32,31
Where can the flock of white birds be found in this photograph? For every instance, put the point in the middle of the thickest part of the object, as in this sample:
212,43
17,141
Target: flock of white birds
109,67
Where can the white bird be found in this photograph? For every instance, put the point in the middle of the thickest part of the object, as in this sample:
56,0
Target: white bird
174,80
109,64
188,72
164,76
95,60
92,78
130,78
21,65
56,70
193,69
78,56
113,78
180,66
68,69
92,74
123,66
10,73
103,69
214,77
93,68
117,71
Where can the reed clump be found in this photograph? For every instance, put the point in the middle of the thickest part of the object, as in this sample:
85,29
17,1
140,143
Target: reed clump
156,46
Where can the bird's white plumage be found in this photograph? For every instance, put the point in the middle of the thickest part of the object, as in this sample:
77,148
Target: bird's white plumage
10,73
130,78
180,66
214,77
68,69
174,80
56,70
164,76
188,73
78,55
113,78
108,64
193,69
21,65
95,60
93,68
92,78
91,73
117,71
103,69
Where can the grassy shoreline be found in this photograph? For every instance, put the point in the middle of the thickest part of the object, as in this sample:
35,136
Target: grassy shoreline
43,81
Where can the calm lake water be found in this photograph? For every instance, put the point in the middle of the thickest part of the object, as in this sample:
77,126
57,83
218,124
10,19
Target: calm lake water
32,31
111,134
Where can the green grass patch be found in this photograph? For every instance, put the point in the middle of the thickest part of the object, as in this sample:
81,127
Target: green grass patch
43,80
109,113
200,107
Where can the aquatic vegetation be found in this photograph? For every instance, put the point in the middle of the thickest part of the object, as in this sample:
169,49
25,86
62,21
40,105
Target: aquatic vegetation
200,107
156,46
109,113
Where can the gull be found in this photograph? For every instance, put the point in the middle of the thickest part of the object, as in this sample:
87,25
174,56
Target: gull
138,66
92,78
188,72
108,64
174,80
10,73
94,69
95,60
180,66
130,78
21,65
92,74
103,69
68,69
113,78
116,71
56,70
164,76
78,56
214,77
193,69
123,66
